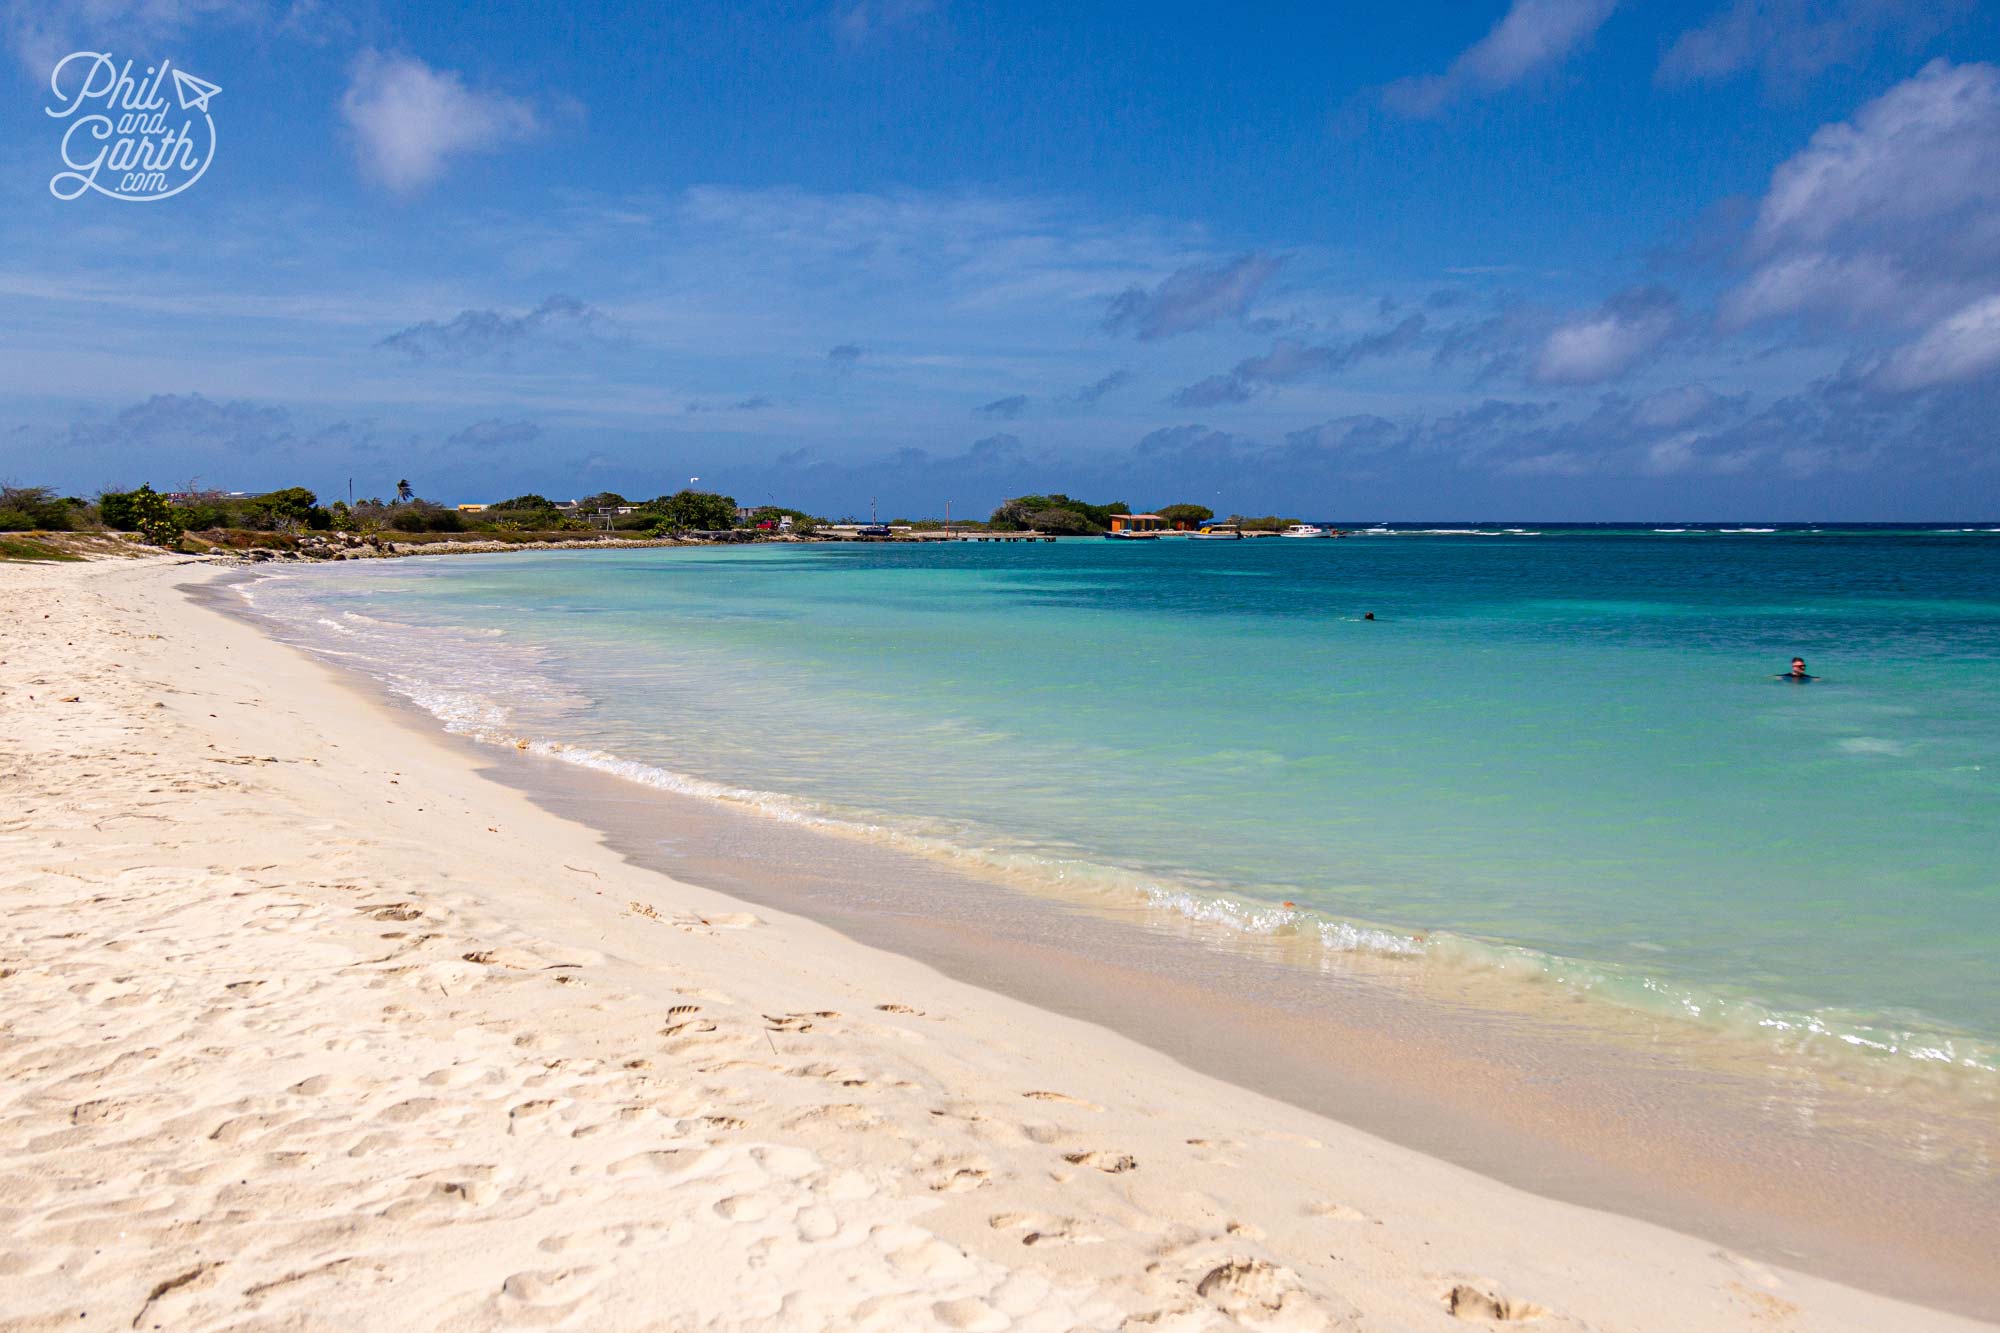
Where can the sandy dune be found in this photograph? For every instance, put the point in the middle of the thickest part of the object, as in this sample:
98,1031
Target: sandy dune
305,1024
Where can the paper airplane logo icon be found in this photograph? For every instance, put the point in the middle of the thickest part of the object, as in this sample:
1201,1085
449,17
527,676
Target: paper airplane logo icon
194,93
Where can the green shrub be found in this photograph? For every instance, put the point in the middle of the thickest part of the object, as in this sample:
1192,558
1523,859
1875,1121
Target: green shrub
1188,515
202,515
1054,513
26,508
687,511
424,516
115,510
146,512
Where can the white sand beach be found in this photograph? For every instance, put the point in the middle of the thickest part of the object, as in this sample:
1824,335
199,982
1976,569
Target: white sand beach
305,1023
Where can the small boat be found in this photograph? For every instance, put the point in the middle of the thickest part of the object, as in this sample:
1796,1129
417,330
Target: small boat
1218,532
1305,530
1126,535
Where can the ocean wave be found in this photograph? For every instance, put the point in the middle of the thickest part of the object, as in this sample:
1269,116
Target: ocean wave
1232,914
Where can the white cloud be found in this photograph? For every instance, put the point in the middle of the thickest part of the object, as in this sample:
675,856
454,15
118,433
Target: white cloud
1791,40
1928,147
1192,297
1963,346
1533,36
1892,220
1849,287
1607,344
409,119
560,322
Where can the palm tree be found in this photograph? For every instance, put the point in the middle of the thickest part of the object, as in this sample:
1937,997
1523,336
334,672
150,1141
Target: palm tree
403,492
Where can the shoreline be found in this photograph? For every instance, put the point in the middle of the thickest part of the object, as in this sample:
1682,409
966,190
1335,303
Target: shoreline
1849,1046
1656,1117
980,1163
1620,1109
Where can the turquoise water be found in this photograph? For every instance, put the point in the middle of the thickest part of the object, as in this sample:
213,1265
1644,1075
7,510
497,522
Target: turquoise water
1559,750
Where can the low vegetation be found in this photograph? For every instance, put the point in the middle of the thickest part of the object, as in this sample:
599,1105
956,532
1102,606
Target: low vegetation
39,509
26,548
193,518
1185,515
1056,514
210,519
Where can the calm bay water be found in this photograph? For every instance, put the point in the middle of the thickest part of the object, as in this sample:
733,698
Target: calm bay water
1561,751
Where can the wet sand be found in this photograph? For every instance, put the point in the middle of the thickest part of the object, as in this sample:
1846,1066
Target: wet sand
1859,1169
1889,1184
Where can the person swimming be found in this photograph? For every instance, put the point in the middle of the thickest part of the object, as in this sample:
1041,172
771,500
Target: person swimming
1797,673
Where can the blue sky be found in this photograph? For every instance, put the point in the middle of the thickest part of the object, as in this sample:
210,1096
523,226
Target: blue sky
1547,259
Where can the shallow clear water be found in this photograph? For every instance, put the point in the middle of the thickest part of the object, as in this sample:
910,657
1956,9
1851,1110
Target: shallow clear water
1567,743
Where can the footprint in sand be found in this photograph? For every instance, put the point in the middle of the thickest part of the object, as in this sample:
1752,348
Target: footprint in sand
1260,1293
817,1223
1042,1229
660,1161
722,1122
1062,1097
789,1163
518,959
843,1116
1482,1300
947,1172
546,1289
972,1314
1108,1162
845,1077
1214,1152
1337,1212
391,911
688,1030
744,1208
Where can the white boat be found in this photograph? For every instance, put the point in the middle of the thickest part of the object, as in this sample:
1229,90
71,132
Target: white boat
1218,532
1304,530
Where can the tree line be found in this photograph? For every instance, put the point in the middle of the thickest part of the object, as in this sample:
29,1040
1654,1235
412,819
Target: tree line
1060,515
163,519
